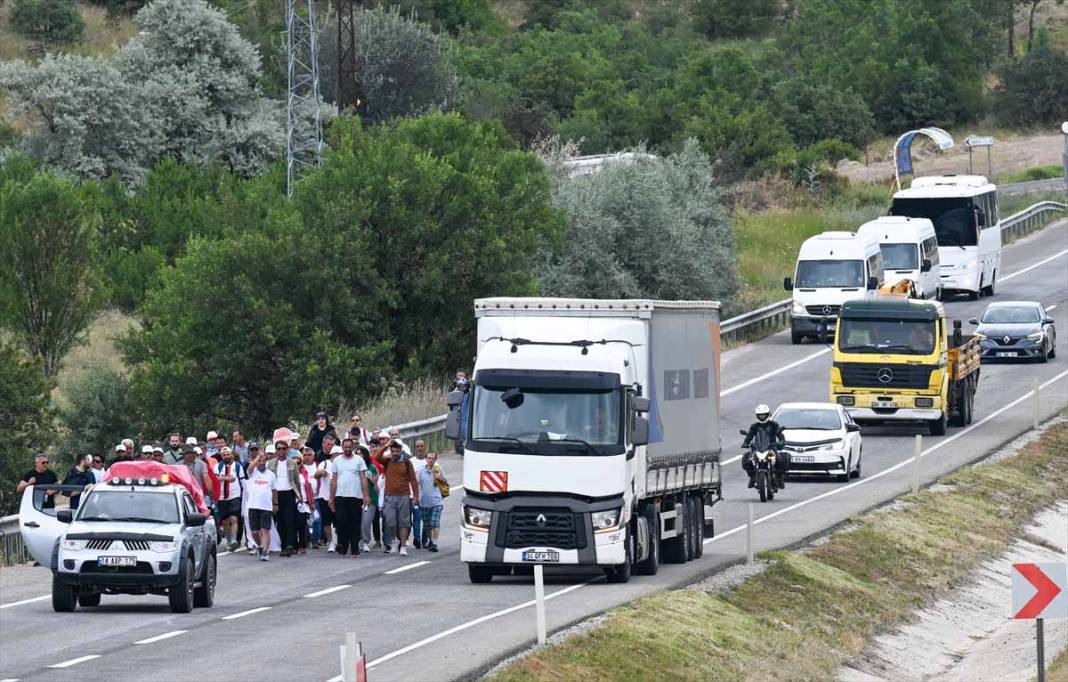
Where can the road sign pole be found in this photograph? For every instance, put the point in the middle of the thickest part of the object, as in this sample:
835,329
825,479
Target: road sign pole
916,450
539,600
749,536
989,165
1039,639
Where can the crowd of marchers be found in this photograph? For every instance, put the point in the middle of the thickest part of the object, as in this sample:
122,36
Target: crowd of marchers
362,491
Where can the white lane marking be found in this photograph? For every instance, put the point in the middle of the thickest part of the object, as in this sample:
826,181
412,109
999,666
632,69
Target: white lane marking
409,567
906,462
75,661
338,588
242,614
774,372
160,638
25,601
10,679
464,626
1033,266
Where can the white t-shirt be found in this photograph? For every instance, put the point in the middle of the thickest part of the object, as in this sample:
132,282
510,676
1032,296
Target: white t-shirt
348,476
235,486
98,474
324,482
260,484
282,481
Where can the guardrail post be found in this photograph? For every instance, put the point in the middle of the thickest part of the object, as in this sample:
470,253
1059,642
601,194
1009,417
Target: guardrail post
917,449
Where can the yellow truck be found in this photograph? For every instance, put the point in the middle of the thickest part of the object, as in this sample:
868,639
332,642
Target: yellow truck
896,359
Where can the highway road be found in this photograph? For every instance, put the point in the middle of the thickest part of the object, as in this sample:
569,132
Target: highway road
1051,185
418,617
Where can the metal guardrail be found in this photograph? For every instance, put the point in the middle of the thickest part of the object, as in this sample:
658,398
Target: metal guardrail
14,549
1030,218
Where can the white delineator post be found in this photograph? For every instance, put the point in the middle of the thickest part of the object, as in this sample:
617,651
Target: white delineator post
539,600
749,536
916,450
1036,402
348,669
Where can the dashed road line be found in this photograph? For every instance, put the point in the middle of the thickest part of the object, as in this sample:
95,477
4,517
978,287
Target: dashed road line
75,661
25,601
329,590
160,638
242,614
408,567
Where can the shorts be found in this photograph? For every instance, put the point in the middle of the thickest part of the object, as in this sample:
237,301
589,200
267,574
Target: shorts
397,511
432,516
325,514
259,519
229,508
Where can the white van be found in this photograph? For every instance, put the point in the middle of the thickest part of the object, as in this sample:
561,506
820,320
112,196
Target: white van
964,211
910,251
832,268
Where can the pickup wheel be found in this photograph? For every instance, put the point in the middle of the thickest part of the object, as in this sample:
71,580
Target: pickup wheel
674,549
479,574
651,565
204,594
88,598
697,525
64,596
938,426
180,595
621,573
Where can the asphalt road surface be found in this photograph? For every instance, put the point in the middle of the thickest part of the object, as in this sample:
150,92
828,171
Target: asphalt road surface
1051,185
420,619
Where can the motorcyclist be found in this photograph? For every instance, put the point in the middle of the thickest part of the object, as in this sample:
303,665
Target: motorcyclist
766,424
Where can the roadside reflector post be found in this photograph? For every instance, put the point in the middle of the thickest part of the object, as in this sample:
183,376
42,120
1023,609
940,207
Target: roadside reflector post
1039,639
348,668
916,450
1037,402
539,600
749,536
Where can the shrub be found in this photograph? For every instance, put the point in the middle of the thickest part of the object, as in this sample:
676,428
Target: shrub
25,418
53,22
734,18
99,410
1032,90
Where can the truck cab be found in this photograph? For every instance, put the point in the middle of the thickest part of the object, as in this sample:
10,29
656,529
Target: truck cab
128,536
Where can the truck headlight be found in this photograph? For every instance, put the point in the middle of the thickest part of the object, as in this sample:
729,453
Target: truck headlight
924,402
604,521
162,545
846,400
480,518
75,545
1037,336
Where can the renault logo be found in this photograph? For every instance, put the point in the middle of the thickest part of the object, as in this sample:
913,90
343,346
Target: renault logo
885,375
1007,340
541,520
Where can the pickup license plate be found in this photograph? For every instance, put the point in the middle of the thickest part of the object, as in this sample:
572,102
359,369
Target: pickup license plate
116,561
804,459
541,557
883,404
1006,355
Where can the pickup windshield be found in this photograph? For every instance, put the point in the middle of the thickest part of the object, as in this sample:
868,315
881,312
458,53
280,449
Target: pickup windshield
815,274
899,256
905,337
952,218
129,505
540,421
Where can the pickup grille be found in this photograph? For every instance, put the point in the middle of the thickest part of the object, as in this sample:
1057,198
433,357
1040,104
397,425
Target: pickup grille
559,528
98,544
874,375
136,544
828,310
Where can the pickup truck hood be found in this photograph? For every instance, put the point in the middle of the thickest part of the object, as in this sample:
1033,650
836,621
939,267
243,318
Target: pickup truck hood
121,530
810,436
585,475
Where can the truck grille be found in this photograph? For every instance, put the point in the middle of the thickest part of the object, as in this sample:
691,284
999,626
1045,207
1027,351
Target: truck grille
558,528
873,375
98,544
828,310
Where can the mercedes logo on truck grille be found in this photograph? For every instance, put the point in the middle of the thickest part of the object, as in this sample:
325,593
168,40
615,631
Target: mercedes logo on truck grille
885,375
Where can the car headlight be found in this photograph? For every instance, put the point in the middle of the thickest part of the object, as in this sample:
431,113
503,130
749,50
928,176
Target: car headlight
1037,336
836,445
75,545
163,545
605,520
798,308
980,336
480,518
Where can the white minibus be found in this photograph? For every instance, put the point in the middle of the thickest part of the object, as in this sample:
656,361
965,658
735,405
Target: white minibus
910,252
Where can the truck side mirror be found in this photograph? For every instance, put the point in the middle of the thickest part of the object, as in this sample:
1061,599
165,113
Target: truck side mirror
925,266
454,398
452,425
64,516
873,284
641,404
788,284
640,436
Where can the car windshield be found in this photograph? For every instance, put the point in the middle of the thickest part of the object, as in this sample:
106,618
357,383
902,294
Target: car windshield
820,419
952,217
129,505
1010,315
908,337
529,418
814,274
899,256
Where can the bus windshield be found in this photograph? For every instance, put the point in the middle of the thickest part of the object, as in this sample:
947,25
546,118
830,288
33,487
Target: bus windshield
813,274
905,337
952,217
899,256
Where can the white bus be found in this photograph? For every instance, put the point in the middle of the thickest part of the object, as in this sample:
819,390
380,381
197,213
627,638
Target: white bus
964,210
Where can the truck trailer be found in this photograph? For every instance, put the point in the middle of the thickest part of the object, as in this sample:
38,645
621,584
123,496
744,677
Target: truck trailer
591,435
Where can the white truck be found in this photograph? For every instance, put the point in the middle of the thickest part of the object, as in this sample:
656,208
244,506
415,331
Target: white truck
591,434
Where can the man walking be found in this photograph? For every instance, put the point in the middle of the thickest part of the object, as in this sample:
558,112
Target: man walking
231,484
173,453
287,485
432,486
400,489
348,490
262,501
240,447
417,517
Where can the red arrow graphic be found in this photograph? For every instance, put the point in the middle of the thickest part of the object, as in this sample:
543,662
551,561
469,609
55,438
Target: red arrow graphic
1047,590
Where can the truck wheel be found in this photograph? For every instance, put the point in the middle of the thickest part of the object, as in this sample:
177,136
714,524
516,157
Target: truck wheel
479,574
88,598
651,565
938,426
673,550
697,524
621,573
204,594
64,596
180,595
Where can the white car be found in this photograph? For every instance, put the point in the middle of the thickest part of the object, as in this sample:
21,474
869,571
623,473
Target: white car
820,438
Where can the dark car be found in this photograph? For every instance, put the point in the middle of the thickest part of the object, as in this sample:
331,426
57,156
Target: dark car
1016,330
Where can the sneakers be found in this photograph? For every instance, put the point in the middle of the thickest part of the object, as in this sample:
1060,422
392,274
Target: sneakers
234,545
364,547
432,547
403,551
332,547
253,551
377,545
265,556
418,545
388,548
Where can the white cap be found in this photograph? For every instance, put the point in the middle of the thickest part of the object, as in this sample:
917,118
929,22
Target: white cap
157,449
336,450
293,435
198,451
269,449
212,435
192,440
146,449
120,448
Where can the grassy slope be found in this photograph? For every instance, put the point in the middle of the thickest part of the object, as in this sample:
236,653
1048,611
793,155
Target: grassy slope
832,598
1035,173
102,36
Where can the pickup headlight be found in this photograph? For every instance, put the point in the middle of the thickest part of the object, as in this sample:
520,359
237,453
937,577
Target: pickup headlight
163,546
75,545
1037,336
605,520
480,518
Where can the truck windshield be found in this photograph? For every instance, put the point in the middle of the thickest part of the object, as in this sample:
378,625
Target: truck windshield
129,505
907,337
952,218
544,421
899,256
814,274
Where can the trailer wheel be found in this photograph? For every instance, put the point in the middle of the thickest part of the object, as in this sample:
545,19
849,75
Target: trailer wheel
697,525
651,564
673,550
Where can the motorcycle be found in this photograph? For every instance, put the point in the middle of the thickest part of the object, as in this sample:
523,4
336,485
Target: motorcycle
763,455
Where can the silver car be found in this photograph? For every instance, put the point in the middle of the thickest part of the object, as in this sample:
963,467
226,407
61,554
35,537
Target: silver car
127,537
1016,330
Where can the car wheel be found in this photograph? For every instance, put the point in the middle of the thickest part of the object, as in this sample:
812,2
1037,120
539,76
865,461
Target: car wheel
204,595
88,598
1052,348
64,596
844,478
796,338
479,574
856,472
180,595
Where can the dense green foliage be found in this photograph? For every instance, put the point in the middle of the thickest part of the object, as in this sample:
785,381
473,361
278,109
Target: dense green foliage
99,411
1035,89
25,418
53,22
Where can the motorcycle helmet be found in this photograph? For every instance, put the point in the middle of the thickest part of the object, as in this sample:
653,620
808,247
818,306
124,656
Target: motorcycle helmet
762,412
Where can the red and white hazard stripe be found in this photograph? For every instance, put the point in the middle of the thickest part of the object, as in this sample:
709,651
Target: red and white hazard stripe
493,481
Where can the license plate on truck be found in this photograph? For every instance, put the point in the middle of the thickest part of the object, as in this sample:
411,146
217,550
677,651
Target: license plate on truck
883,404
122,561
539,556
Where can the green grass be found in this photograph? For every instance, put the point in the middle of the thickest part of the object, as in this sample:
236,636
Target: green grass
832,598
1035,173
1058,668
